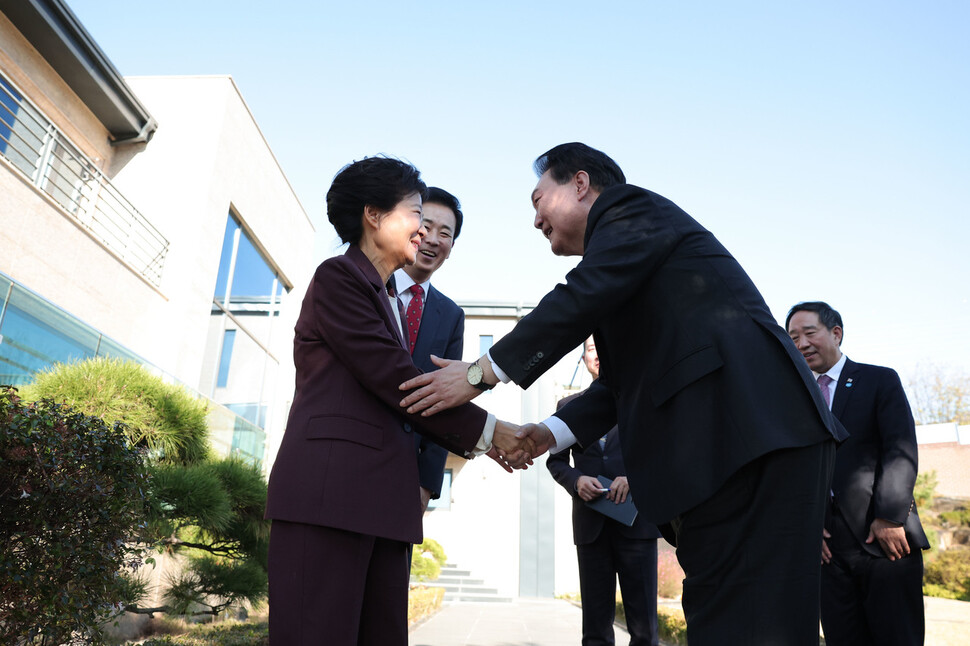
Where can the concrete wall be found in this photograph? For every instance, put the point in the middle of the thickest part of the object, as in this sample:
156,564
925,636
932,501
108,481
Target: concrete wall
47,90
208,157
500,523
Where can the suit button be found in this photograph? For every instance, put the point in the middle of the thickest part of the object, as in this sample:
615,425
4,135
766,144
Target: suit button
539,355
407,427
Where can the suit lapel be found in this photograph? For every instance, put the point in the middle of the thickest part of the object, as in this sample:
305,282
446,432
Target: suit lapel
370,273
843,390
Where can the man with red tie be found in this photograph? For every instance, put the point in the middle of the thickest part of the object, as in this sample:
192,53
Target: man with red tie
435,324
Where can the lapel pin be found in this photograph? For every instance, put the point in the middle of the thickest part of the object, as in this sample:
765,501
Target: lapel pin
848,382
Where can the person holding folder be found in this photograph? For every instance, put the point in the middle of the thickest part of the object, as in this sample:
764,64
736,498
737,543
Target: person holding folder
607,548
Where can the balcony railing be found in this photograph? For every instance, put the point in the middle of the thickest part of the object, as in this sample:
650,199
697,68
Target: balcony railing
32,144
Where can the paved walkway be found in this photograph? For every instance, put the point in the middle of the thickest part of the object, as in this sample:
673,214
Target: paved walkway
553,622
524,622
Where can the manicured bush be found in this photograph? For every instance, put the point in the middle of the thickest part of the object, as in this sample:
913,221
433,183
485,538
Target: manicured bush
207,511
423,602
947,575
959,517
925,489
72,493
223,634
164,418
671,625
427,559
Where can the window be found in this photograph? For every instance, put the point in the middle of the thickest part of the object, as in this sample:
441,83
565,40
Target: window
35,334
245,308
484,343
444,501
227,340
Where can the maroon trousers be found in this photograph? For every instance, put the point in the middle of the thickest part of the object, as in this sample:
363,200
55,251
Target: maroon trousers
335,587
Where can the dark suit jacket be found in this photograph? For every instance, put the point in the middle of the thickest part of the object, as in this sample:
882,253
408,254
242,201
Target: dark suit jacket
347,456
595,460
693,367
442,334
875,469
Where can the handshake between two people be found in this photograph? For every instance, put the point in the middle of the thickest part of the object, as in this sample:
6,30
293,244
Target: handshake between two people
513,446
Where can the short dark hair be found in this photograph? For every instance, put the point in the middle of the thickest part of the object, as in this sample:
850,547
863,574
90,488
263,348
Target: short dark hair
826,315
380,182
565,160
444,198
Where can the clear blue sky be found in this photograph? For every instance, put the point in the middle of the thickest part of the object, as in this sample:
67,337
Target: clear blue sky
827,144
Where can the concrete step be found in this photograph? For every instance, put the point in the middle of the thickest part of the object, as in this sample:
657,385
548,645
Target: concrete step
459,586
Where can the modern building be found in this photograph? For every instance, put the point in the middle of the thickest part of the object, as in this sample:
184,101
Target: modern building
145,219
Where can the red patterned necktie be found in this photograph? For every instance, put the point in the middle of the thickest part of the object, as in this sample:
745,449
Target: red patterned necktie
413,314
823,383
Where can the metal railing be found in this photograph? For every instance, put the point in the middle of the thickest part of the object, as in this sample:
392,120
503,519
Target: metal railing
32,144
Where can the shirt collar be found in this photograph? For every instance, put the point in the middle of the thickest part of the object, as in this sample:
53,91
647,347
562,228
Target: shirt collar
835,371
404,282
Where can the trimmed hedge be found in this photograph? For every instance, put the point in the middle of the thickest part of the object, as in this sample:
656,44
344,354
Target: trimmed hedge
72,495
423,602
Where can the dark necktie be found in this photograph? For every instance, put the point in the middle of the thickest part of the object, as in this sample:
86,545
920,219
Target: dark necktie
823,383
413,314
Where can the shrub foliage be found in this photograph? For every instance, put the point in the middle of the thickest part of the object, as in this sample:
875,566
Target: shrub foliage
427,559
207,511
163,418
72,492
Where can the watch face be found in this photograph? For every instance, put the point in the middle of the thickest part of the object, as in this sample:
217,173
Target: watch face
475,374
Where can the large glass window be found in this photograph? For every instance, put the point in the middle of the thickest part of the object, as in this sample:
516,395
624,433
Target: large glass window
246,306
35,334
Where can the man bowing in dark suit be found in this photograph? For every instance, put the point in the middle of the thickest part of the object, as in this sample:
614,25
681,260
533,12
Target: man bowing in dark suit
435,324
607,549
724,432
872,576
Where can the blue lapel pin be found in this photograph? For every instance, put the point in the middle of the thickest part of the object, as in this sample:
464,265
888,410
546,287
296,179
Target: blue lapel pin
848,382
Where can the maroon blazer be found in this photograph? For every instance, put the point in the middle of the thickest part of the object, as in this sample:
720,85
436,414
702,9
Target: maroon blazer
347,456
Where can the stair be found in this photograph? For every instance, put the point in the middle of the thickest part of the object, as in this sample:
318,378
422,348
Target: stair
460,586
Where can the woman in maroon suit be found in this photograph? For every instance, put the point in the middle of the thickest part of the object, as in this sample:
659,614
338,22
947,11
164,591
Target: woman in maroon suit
343,493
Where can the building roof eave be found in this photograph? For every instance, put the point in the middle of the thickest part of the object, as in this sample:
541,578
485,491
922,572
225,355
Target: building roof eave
55,32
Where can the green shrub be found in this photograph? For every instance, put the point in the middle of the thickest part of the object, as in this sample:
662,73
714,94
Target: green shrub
161,417
959,517
925,489
671,625
207,510
223,634
72,492
423,602
433,547
948,575
427,559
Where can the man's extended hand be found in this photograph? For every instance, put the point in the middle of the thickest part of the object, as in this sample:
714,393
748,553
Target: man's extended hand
539,435
439,390
891,537
513,451
826,552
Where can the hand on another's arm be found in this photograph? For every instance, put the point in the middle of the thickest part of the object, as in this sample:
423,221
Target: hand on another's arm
440,390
